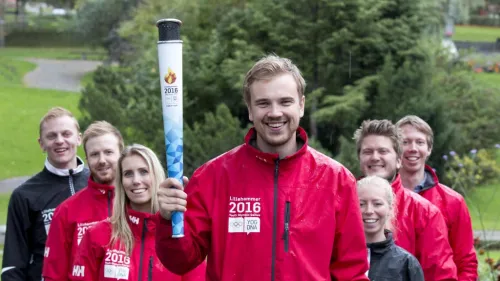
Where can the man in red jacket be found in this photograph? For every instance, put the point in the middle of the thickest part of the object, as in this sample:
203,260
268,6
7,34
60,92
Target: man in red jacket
103,144
272,208
420,226
418,139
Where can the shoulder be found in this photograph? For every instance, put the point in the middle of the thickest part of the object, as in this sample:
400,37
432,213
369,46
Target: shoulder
325,163
227,159
423,207
450,195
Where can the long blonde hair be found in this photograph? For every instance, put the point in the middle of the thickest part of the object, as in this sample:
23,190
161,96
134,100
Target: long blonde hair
121,232
381,183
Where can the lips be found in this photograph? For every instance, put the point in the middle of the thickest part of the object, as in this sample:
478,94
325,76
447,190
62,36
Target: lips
61,150
370,220
276,125
412,158
138,190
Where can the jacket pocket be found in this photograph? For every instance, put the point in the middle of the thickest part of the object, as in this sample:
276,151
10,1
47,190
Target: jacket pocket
286,233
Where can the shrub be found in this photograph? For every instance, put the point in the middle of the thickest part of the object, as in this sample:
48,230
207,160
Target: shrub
465,172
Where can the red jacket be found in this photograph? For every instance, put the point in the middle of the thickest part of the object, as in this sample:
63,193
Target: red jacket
260,218
421,230
98,260
457,217
71,220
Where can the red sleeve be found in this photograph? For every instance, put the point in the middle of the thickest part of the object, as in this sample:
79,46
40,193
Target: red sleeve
197,274
183,255
349,260
57,248
88,259
433,249
462,242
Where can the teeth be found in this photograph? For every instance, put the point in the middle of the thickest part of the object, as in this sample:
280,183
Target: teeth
370,220
276,125
412,158
137,191
61,150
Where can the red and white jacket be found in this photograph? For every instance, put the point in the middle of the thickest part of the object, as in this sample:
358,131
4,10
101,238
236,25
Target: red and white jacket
98,260
458,222
421,230
70,222
258,217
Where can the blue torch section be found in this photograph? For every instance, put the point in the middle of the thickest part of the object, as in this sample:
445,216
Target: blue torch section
175,166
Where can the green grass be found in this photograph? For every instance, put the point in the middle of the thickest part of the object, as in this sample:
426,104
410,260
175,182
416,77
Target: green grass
489,79
476,33
12,70
53,53
4,203
485,200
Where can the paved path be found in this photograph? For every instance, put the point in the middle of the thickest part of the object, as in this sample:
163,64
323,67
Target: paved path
62,75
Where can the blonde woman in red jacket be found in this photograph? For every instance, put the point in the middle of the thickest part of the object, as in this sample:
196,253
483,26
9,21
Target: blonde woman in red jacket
123,247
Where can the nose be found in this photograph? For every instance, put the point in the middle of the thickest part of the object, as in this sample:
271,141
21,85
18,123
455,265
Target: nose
368,209
136,179
413,146
275,111
101,158
375,156
59,138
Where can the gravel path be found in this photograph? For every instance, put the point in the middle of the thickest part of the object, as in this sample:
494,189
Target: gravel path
62,75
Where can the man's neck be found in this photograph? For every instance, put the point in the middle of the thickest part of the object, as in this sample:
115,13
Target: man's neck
411,179
287,149
66,166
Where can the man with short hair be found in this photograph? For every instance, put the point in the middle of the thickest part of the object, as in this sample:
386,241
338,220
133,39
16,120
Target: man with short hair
418,139
103,144
270,209
420,226
32,204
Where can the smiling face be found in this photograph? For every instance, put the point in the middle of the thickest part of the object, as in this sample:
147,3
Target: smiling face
103,153
275,109
377,157
375,211
59,137
137,182
416,149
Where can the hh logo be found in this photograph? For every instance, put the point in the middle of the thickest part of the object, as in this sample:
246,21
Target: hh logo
78,270
134,220
46,253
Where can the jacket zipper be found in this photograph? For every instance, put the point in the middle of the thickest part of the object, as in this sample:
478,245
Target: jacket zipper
150,271
71,185
109,203
286,233
143,238
275,218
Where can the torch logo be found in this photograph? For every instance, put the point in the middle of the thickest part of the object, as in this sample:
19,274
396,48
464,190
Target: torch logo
170,77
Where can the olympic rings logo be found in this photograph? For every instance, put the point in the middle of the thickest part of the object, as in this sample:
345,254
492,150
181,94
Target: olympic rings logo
236,224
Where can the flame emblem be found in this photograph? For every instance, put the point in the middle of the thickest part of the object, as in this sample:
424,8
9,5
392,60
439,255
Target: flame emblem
170,77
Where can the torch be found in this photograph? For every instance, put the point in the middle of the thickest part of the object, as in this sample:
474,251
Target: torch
170,68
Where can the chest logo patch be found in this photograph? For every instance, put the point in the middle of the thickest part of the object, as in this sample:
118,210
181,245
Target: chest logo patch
244,214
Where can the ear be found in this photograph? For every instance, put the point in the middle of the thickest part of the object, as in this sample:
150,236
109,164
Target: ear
79,139
41,145
302,104
398,163
250,115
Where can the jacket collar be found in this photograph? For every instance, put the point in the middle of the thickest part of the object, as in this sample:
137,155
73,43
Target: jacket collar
272,157
382,247
136,221
65,172
397,185
101,188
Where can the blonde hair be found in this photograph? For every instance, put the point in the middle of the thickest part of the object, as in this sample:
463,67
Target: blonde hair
121,232
269,67
419,124
381,183
57,112
379,128
100,128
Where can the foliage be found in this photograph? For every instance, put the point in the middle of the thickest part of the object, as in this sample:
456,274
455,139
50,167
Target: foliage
466,172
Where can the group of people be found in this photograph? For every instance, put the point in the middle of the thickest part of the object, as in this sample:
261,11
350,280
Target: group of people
272,208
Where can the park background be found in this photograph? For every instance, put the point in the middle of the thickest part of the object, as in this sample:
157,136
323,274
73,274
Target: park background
362,59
